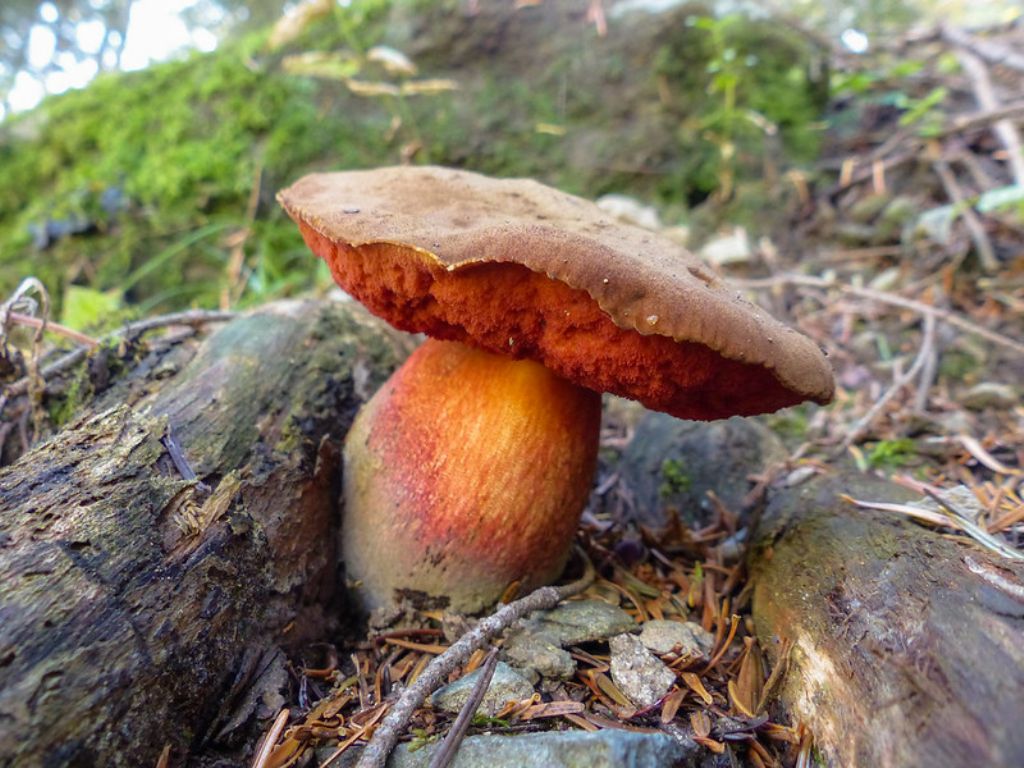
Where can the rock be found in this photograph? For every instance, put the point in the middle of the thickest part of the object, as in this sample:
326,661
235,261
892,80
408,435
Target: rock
641,675
582,621
630,210
686,638
551,749
867,208
952,423
729,248
897,216
853,234
672,464
540,652
536,643
506,685
990,394
936,224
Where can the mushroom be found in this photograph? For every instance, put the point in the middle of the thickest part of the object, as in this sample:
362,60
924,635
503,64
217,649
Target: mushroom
468,470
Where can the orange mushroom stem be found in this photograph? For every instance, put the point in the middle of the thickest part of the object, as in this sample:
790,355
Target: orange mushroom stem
465,473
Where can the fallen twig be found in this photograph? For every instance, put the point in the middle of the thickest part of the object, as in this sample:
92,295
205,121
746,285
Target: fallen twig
856,171
47,325
991,51
192,317
375,753
947,516
34,382
971,528
945,315
985,94
899,382
450,746
982,245
965,123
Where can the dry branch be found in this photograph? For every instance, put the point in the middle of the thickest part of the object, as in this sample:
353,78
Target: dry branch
944,315
386,736
982,245
991,51
985,94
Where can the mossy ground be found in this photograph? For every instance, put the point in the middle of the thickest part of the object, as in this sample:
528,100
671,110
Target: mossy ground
141,185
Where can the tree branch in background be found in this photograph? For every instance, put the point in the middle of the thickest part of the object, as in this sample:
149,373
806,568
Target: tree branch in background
945,315
900,380
984,92
982,245
989,50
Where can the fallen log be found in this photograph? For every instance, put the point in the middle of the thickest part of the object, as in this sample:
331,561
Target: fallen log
135,599
906,645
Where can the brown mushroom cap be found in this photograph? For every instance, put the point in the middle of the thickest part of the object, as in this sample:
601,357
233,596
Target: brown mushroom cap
520,269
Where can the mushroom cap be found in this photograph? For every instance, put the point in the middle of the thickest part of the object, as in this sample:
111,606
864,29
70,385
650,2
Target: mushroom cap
518,268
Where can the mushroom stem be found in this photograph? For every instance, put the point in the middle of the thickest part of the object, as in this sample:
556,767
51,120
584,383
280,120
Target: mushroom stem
466,472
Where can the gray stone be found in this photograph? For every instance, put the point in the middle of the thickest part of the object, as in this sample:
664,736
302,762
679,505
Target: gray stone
536,643
897,217
868,207
582,621
506,685
936,224
558,749
685,638
541,653
990,394
852,233
641,675
672,464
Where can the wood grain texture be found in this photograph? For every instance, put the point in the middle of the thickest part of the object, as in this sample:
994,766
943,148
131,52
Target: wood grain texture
908,646
129,595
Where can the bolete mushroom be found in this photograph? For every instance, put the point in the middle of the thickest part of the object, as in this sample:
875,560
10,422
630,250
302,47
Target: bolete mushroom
468,470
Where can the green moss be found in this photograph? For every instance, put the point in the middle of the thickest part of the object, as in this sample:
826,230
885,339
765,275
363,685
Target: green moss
674,478
61,409
154,170
790,424
79,391
892,454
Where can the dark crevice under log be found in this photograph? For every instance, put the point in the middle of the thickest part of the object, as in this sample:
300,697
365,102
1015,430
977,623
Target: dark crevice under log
130,596
908,647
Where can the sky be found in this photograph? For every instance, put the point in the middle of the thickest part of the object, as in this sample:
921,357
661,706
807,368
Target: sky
155,32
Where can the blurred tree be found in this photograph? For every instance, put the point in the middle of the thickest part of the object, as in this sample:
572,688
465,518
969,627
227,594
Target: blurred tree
42,39
63,43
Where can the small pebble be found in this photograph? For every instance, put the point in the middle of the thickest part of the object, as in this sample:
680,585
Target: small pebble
641,675
506,685
685,638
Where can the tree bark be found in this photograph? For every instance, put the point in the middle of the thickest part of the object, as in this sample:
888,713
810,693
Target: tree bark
130,595
908,646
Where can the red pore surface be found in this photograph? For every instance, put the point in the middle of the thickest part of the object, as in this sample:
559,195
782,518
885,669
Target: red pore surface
510,310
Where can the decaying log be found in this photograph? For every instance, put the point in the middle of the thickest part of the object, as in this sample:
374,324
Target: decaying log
130,595
908,647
